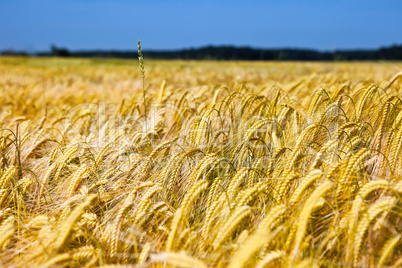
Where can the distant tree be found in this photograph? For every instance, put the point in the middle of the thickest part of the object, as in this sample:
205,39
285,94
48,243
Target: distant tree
10,52
60,52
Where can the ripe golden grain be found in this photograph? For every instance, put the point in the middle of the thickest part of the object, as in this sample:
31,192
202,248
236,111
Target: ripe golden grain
179,260
388,248
226,229
265,164
305,215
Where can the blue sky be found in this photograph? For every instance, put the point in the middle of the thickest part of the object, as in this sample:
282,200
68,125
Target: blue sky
34,25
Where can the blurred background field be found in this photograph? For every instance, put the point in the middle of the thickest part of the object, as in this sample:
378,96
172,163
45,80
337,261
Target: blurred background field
28,83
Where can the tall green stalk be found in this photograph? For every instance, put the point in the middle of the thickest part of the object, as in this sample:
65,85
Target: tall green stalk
141,60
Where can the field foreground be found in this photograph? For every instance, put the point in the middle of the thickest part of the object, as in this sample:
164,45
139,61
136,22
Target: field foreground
228,164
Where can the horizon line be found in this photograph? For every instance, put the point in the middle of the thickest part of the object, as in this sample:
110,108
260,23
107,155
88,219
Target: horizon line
200,47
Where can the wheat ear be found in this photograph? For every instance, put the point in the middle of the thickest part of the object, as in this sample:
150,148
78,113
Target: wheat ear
58,258
75,180
45,178
239,214
102,153
307,181
354,164
190,197
373,212
305,215
356,207
210,213
178,260
269,257
362,101
127,203
261,236
395,149
392,80
381,130
146,202
6,177
144,253
6,231
246,196
68,153
388,248
238,178
67,226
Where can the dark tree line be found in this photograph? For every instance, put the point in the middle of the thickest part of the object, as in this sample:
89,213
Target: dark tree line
246,53
239,53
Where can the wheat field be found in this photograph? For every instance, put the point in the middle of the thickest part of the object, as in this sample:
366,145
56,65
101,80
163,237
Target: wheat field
214,164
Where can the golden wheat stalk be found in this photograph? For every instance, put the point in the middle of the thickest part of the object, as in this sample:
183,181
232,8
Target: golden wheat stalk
261,236
6,231
388,248
228,227
373,212
66,227
305,215
269,257
190,197
178,260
